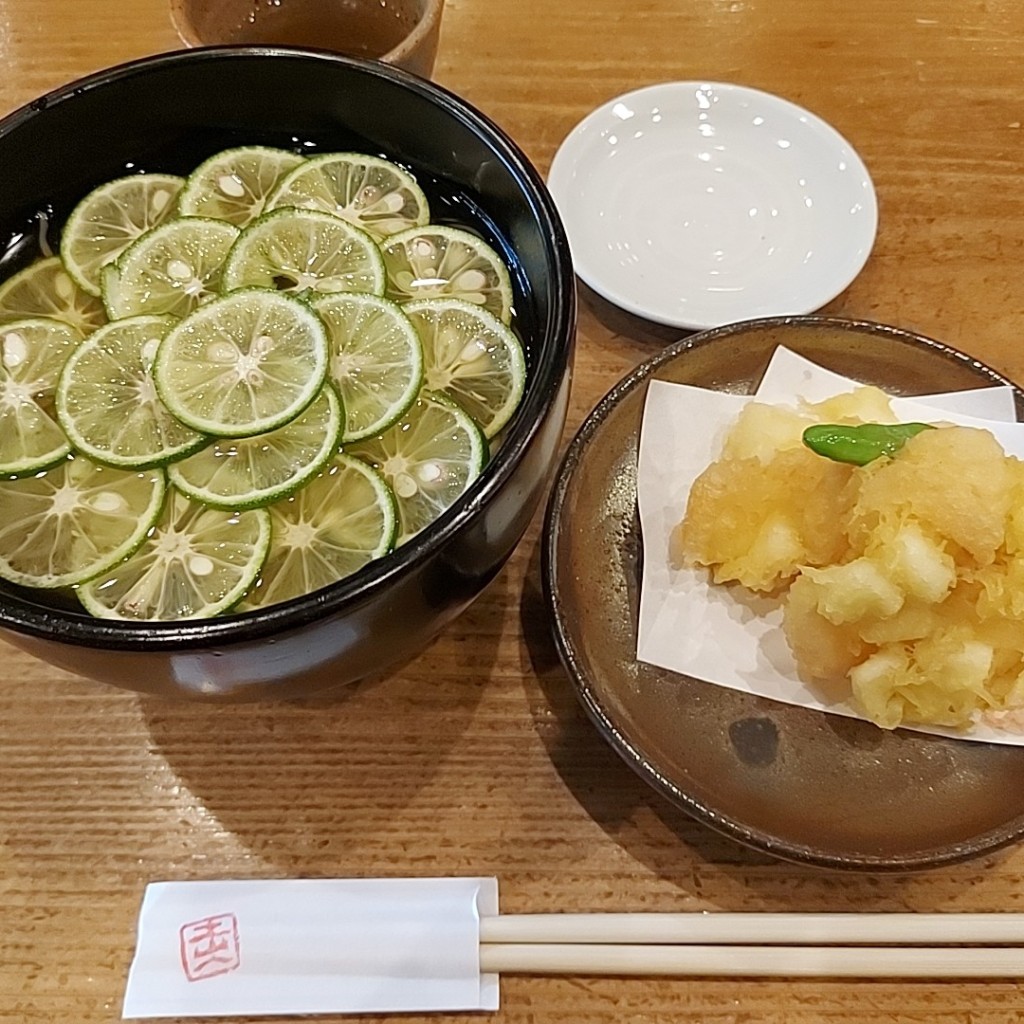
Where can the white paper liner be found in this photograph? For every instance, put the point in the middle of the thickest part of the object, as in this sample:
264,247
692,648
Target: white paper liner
724,634
290,947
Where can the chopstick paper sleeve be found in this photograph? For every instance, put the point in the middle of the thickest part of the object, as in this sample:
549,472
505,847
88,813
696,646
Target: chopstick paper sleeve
234,948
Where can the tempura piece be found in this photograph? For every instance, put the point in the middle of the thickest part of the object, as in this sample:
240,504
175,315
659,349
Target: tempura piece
903,577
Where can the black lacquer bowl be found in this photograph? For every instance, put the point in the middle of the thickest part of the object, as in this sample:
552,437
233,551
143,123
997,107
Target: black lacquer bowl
167,113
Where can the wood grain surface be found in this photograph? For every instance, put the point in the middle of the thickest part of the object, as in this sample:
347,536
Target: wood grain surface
475,758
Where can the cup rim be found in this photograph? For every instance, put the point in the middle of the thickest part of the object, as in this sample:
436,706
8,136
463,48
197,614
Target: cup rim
423,27
426,22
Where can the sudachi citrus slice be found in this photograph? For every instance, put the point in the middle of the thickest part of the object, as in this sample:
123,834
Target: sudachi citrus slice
69,523
234,185
343,519
107,401
376,360
110,218
305,253
376,194
429,458
45,288
246,472
438,261
243,364
174,269
32,353
195,562
472,357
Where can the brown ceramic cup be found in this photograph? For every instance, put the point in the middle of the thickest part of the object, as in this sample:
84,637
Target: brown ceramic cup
403,33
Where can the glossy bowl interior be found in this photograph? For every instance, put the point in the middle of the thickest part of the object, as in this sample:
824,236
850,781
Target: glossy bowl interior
799,784
169,112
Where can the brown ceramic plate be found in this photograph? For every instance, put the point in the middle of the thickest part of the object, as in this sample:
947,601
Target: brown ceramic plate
793,782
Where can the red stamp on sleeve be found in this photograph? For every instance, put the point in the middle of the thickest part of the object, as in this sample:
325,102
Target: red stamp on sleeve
209,947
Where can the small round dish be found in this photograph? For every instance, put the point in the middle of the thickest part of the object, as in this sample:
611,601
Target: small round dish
696,204
793,782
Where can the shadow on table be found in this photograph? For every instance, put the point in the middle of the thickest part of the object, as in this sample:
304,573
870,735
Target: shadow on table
610,792
667,841
282,780
620,322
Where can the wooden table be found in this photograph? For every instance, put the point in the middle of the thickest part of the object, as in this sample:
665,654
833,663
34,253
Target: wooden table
475,758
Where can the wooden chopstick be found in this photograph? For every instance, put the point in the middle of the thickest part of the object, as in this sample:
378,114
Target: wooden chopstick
755,929
753,961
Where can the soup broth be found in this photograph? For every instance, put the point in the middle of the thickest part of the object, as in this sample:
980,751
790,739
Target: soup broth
38,235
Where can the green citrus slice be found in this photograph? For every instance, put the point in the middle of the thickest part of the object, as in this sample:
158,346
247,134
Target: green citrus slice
306,253
45,288
437,261
110,218
74,521
243,364
379,196
173,269
376,360
472,357
32,353
250,471
429,458
107,402
234,185
194,563
341,520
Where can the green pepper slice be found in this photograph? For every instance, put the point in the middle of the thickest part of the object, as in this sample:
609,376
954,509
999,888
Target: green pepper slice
860,443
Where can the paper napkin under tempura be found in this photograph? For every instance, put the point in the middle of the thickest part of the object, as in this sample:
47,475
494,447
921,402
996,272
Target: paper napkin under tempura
725,634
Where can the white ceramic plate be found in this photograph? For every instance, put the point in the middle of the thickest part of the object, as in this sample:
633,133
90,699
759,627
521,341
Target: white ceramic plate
697,204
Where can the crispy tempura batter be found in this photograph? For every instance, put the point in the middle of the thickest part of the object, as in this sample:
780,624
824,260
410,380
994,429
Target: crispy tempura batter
905,576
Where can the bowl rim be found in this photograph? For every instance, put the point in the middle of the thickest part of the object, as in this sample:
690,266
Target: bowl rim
552,363
590,699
